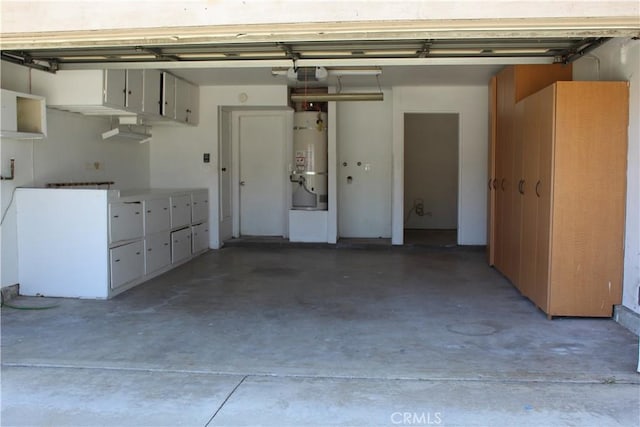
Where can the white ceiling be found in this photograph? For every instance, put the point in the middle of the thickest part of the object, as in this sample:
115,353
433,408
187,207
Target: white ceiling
417,75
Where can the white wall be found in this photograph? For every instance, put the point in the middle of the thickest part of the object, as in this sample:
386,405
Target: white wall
470,102
619,59
364,134
45,16
176,153
73,144
431,170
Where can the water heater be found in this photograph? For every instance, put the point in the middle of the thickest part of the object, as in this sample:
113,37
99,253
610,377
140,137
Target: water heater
309,175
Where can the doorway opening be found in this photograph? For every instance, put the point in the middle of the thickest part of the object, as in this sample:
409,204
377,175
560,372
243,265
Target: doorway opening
431,155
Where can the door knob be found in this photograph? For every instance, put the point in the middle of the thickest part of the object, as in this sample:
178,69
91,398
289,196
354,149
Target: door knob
242,183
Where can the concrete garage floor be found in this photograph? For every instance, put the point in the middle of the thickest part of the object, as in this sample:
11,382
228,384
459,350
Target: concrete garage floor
318,337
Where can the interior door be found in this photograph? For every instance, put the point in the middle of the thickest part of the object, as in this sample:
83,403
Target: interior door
262,143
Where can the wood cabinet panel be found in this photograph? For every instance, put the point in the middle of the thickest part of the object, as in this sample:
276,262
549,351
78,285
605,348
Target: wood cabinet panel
589,198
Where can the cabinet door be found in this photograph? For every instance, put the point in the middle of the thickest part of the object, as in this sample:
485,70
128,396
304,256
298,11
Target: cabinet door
157,251
187,101
200,237
517,190
134,90
180,245
168,96
529,186
180,210
125,221
200,206
491,175
544,118
114,87
127,263
504,166
157,216
152,92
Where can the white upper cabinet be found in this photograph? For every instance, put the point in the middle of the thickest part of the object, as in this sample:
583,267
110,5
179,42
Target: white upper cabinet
90,92
152,92
168,96
115,85
134,90
187,101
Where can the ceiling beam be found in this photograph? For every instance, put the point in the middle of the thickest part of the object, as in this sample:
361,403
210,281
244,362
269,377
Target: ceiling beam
328,31
338,62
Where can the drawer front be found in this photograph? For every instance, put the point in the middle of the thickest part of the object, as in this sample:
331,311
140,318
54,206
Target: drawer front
180,210
200,237
200,206
125,221
127,263
180,245
157,216
157,251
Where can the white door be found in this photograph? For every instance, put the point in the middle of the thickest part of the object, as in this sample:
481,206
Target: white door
262,142
226,221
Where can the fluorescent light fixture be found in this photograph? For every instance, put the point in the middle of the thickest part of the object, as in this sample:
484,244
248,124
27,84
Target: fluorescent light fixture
325,97
356,72
126,133
391,52
326,53
143,56
83,58
455,51
335,72
204,55
523,50
266,54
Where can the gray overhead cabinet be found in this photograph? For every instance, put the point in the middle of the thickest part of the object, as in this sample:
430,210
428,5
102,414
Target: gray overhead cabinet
151,95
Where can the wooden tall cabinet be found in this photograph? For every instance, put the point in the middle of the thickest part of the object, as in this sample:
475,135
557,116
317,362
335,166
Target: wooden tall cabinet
509,86
567,202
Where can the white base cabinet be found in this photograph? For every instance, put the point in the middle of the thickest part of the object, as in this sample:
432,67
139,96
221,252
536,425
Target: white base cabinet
127,263
86,243
180,245
157,252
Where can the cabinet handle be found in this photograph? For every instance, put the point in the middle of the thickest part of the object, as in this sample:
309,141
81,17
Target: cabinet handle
149,211
537,186
489,184
166,244
138,253
149,250
117,260
137,213
188,111
165,209
116,216
521,186
502,183
495,183
129,92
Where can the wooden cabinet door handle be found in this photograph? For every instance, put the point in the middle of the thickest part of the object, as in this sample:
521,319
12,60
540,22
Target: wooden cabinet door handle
502,183
489,184
521,186
537,186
